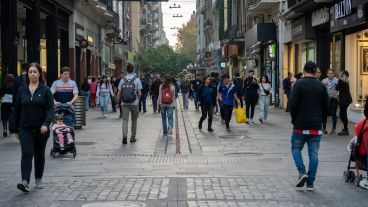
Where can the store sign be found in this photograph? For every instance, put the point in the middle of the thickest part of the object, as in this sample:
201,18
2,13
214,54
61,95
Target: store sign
343,9
297,30
320,16
90,40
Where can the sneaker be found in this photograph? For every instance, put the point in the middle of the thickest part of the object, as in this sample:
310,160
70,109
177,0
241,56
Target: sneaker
364,183
105,116
228,129
171,131
333,131
325,131
39,184
132,140
125,140
70,141
23,186
260,120
252,121
343,133
61,146
310,187
210,130
301,181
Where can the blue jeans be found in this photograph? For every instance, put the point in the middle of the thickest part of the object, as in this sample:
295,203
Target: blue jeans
142,103
264,102
104,102
154,102
185,100
195,100
86,94
167,113
297,144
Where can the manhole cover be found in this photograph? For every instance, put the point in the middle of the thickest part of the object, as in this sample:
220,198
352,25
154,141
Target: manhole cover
85,143
115,204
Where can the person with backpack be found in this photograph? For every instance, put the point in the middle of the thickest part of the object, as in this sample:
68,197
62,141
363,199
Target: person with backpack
207,100
104,91
130,91
166,101
238,82
185,87
309,105
226,95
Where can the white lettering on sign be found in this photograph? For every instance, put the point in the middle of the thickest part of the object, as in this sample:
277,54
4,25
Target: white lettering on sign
320,16
343,9
297,30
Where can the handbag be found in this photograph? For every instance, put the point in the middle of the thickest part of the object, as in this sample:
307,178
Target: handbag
267,92
240,115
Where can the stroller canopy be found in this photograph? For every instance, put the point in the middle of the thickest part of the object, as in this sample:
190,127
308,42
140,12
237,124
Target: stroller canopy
67,112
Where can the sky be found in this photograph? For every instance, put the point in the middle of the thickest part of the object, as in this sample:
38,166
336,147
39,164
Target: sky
187,8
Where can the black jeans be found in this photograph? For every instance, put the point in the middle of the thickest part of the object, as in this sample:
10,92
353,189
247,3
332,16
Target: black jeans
142,103
251,103
33,144
344,115
333,108
207,109
227,111
240,97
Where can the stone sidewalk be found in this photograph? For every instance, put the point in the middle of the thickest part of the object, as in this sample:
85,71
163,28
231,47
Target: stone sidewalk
249,166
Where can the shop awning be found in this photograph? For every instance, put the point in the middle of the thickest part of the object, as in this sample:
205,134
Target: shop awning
261,32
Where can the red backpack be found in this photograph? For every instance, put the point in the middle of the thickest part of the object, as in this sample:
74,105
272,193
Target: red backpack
167,97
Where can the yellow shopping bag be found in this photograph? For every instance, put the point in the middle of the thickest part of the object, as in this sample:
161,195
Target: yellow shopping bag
240,115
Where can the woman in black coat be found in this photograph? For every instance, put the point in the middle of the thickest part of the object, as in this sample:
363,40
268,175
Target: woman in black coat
33,114
344,100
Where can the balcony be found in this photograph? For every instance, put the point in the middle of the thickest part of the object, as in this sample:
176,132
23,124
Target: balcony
236,31
297,8
259,5
107,3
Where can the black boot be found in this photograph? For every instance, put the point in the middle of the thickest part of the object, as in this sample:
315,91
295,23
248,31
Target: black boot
200,125
344,132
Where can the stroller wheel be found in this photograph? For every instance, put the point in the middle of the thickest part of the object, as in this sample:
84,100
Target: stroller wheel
351,176
51,152
74,153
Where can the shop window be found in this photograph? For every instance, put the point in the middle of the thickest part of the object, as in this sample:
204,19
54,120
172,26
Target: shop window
308,53
335,52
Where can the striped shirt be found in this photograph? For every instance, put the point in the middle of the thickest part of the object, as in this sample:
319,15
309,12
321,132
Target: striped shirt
64,92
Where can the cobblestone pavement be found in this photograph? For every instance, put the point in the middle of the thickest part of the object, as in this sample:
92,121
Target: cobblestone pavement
249,166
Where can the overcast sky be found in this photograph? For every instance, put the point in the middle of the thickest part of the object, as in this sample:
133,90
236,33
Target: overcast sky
187,8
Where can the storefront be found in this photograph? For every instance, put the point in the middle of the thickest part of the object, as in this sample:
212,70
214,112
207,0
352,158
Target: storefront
261,54
348,25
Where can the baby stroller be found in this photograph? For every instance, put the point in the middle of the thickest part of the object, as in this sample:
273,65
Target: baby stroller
69,119
359,156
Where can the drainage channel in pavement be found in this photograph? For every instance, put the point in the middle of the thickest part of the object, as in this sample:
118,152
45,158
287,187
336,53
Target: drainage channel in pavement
115,204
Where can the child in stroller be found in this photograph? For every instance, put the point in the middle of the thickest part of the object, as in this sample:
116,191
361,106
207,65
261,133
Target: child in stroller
61,130
359,154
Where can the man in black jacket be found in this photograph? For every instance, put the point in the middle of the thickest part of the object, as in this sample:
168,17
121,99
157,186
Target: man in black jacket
155,88
286,83
308,106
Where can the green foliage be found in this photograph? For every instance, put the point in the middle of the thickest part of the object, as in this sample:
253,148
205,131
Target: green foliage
187,38
162,59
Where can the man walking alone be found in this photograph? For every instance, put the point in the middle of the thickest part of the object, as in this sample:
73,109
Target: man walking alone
130,91
308,106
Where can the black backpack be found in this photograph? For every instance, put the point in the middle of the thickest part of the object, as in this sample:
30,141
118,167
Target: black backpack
128,91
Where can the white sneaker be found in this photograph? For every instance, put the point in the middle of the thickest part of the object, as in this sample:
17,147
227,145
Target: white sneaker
105,116
70,141
364,183
61,145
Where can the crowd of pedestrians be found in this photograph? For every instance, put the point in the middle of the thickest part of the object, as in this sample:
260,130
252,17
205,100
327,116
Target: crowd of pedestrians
27,107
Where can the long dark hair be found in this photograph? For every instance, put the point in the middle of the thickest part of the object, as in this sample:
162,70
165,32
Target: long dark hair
265,76
204,79
34,64
167,81
107,81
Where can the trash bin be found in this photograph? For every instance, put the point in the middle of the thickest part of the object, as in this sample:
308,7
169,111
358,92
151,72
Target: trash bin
80,112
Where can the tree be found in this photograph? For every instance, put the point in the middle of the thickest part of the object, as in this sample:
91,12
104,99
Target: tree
187,38
162,59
